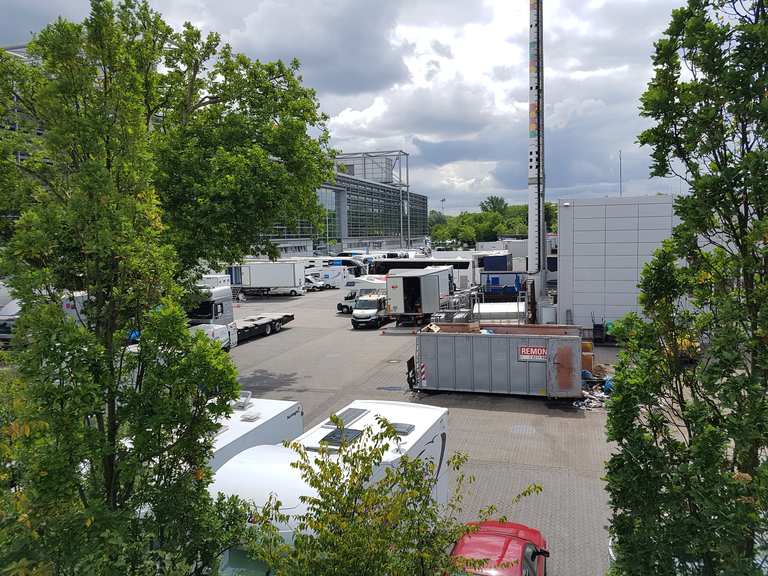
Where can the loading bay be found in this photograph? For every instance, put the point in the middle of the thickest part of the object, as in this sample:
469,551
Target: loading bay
320,361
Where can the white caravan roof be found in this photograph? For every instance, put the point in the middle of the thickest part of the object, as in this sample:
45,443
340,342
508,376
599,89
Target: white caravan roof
258,472
246,417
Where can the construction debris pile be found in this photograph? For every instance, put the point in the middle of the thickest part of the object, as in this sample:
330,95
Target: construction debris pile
597,386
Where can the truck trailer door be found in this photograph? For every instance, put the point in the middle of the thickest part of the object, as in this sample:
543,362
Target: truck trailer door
430,294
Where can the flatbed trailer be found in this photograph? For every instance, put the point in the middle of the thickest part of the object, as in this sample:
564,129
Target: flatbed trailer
262,324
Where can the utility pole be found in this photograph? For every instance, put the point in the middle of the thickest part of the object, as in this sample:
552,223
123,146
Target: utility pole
442,206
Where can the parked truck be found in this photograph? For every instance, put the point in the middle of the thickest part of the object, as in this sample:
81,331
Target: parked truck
413,295
215,316
257,278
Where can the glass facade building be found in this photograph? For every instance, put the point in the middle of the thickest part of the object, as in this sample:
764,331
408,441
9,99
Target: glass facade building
361,213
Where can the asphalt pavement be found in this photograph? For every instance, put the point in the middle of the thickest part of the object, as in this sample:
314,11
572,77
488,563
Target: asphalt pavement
319,360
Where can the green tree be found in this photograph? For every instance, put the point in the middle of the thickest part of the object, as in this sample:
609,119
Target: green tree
151,161
360,521
687,483
494,204
436,219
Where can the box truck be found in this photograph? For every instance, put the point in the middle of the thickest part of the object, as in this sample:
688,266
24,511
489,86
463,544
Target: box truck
257,473
257,278
253,422
416,294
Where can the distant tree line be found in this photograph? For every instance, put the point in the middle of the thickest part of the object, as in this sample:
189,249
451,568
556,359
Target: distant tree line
496,219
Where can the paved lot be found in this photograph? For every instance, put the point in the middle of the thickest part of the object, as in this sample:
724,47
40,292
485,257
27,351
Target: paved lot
320,361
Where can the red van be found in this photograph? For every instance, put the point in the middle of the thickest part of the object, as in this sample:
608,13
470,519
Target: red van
510,549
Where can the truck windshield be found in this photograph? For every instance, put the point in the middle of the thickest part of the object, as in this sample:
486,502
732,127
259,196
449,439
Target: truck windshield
203,311
367,305
351,295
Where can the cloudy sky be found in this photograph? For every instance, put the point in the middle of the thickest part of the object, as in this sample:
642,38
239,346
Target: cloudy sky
446,81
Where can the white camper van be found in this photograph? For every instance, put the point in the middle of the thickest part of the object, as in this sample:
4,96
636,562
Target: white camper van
257,473
256,421
370,284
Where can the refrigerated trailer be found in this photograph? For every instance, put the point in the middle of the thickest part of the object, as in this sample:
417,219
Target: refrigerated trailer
260,278
498,362
416,294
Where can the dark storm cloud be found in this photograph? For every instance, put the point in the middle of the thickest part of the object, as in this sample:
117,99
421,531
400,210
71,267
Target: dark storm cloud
22,18
344,45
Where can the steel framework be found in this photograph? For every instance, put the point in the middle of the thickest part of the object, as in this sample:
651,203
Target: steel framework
388,167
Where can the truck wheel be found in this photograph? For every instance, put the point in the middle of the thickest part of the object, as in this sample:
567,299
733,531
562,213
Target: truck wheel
268,330
354,326
344,310
278,326
294,293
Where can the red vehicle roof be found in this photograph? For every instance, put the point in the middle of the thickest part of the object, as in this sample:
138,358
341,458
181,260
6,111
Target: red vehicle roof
499,543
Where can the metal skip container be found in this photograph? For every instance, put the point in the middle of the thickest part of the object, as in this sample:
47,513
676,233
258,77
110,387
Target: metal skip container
531,365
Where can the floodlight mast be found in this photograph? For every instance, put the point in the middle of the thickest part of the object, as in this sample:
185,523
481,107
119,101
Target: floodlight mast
536,225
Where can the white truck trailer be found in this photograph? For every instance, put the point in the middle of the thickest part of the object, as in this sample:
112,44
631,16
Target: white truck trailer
416,294
253,422
258,473
257,278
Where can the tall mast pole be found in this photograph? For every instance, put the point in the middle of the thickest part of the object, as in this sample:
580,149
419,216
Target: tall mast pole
536,226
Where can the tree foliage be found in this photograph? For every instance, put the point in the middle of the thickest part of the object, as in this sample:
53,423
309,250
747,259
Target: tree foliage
690,412
495,220
494,204
138,152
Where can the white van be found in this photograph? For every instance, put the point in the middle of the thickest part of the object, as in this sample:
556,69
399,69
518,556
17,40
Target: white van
371,284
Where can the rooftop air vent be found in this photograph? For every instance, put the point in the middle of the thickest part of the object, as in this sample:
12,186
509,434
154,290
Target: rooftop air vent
244,401
339,435
347,417
250,416
403,429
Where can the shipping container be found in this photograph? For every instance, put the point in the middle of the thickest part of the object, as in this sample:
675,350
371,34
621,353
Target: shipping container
496,362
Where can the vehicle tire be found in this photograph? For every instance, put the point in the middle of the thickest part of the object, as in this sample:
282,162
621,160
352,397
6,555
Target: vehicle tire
278,326
226,349
354,326
345,310
268,330
294,293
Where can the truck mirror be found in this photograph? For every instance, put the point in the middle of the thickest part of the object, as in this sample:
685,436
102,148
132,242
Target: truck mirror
540,552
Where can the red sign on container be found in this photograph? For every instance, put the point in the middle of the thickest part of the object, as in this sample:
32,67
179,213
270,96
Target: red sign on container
532,354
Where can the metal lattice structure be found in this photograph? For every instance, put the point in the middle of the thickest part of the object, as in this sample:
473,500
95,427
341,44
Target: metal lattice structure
387,167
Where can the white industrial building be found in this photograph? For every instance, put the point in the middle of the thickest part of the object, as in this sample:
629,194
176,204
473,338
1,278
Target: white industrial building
604,244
